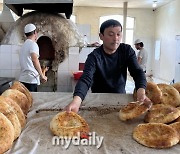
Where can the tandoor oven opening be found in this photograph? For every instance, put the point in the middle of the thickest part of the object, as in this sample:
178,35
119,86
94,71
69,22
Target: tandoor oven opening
47,56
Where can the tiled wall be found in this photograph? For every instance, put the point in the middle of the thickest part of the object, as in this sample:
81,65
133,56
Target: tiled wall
84,53
9,61
65,70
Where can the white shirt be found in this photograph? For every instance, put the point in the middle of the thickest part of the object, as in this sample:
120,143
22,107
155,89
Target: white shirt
28,72
144,56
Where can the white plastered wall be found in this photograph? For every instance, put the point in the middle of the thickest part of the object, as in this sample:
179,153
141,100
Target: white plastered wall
144,24
167,26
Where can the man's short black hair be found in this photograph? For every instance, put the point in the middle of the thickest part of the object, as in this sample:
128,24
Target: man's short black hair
30,33
109,23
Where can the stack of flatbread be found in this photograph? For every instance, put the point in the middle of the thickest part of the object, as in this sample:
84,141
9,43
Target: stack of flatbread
15,103
162,116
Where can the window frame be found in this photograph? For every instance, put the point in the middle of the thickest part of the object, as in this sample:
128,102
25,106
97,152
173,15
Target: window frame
116,17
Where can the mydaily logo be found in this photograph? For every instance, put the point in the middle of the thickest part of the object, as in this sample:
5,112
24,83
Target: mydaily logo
92,140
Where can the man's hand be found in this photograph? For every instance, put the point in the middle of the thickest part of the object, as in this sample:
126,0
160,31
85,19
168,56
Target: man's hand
43,78
44,70
141,96
37,66
74,105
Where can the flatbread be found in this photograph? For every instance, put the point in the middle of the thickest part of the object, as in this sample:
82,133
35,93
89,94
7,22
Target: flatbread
134,109
152,92
6,133
170,95
177,86
160,113
178,119
10,114
176,126
19,86
16,108
155,135
68,124
19,97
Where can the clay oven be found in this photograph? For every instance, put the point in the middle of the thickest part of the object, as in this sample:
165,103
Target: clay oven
56,35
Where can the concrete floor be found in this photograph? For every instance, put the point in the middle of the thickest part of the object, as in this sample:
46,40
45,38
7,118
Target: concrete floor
130,83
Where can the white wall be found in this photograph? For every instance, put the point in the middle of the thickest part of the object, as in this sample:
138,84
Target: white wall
9,61
167,26
144,24
144,30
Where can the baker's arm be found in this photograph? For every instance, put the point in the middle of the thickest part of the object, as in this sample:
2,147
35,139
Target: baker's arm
74,105
139,60
37,66
82,85
138,75
85,82
141,95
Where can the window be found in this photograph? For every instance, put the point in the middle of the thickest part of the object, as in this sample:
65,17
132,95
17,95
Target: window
129,26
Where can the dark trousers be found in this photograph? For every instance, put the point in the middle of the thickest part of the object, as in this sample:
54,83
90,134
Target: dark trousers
30,87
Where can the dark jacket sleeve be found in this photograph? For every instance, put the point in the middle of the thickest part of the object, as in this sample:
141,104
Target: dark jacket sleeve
135,70
85,82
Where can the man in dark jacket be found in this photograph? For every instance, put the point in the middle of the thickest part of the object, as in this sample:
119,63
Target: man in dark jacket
106,67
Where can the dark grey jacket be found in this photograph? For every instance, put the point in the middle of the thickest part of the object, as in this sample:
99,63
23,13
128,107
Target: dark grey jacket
108,73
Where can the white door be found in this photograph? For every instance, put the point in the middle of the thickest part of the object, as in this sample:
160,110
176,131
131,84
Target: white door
177,65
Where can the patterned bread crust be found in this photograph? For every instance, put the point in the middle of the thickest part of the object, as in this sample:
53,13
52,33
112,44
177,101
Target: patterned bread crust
16,108
134,109
156,135
68,124
160,113
6,133
176,126
19,86
19,97
177,86
10,114
170,95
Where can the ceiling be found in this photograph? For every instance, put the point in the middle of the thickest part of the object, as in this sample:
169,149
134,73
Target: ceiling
119,3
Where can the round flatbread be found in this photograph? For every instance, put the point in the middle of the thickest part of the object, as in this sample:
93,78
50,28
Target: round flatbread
68,124
152,92
135,95
170,95
16,108
176,126
178,119
134,109
155,135
177,86
19,86
6,133
160,113
10,114
19,98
